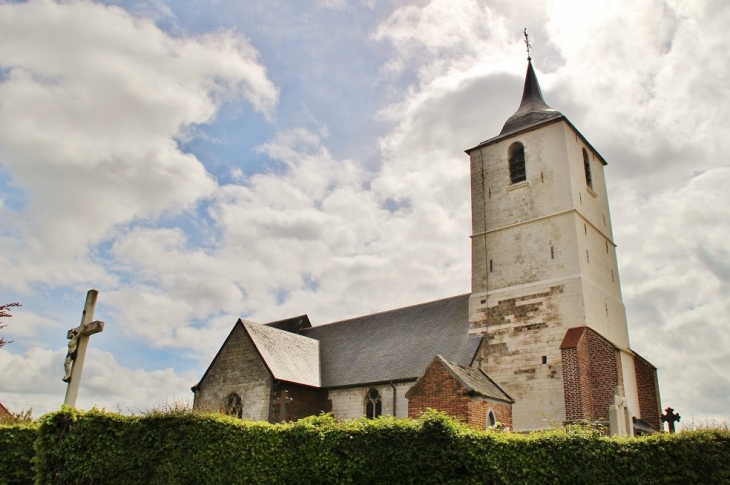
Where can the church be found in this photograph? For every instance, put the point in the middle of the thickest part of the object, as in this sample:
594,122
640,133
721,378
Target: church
542,338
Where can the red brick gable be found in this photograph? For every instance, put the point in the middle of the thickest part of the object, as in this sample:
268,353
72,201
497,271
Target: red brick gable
438,389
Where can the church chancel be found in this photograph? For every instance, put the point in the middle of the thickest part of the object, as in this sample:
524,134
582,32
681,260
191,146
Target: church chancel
542,336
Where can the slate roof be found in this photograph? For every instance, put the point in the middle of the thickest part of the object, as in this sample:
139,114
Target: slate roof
293,324
394,345
288,356
533,108
533,112
475,380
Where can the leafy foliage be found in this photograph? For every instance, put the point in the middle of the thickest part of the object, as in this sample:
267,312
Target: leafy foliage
5,312
178,445
16,452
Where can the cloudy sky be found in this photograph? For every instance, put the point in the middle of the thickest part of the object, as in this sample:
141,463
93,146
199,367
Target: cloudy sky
201,161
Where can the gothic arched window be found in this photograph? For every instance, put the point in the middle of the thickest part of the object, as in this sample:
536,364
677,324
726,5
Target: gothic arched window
491,419
233,405
373,404
587,168
517,172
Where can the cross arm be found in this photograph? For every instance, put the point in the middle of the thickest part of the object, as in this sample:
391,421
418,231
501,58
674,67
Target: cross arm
90,329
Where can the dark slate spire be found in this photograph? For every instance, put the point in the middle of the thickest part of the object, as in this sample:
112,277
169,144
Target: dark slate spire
533,108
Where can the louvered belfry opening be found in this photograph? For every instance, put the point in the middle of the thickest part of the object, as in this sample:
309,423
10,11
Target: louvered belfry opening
517,172
587,168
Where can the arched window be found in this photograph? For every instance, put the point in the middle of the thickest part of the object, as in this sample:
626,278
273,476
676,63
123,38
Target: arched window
233,405
373,404
491,419
587,168
517,171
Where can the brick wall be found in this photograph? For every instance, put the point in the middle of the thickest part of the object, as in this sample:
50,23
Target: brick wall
478,409
306,401
438,389
647,383
591,372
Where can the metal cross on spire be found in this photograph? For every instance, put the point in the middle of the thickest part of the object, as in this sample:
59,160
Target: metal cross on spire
527,44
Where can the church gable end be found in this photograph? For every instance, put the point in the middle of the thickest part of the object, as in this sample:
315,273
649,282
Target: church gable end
237,369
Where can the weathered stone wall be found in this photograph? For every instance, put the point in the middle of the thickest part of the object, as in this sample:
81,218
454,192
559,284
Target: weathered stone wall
523,329
305,401
237,368
648,389
350,402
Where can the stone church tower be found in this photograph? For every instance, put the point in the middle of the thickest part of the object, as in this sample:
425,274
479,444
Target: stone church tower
545,285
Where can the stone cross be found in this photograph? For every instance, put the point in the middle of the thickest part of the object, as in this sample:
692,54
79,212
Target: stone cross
670,417
78,341
283,403
619,415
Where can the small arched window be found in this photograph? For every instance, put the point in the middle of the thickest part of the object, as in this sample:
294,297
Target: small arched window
491,419
233,405
587,168
373,404
517,171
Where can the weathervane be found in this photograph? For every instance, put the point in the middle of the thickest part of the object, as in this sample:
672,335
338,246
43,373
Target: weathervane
527,43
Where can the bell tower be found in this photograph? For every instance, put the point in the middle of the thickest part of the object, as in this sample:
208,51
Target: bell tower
546,293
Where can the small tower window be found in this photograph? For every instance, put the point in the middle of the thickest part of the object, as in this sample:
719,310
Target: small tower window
517,171
587,168
373,404
233,405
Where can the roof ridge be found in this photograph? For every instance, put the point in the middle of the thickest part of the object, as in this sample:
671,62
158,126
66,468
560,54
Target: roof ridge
388,311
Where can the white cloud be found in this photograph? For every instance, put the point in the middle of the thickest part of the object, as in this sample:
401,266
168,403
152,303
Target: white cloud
34,378
92,109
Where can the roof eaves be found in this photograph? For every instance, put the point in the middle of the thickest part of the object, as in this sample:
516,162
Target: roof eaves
535,126
498,138
372,383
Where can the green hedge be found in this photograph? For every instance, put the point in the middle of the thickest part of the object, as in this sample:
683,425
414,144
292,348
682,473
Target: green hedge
75,447
16,453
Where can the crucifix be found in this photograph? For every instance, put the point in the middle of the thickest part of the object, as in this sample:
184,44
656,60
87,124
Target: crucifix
78,341
670,417
527,44
283,402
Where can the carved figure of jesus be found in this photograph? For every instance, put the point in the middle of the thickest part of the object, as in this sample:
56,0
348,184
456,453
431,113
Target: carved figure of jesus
71,355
